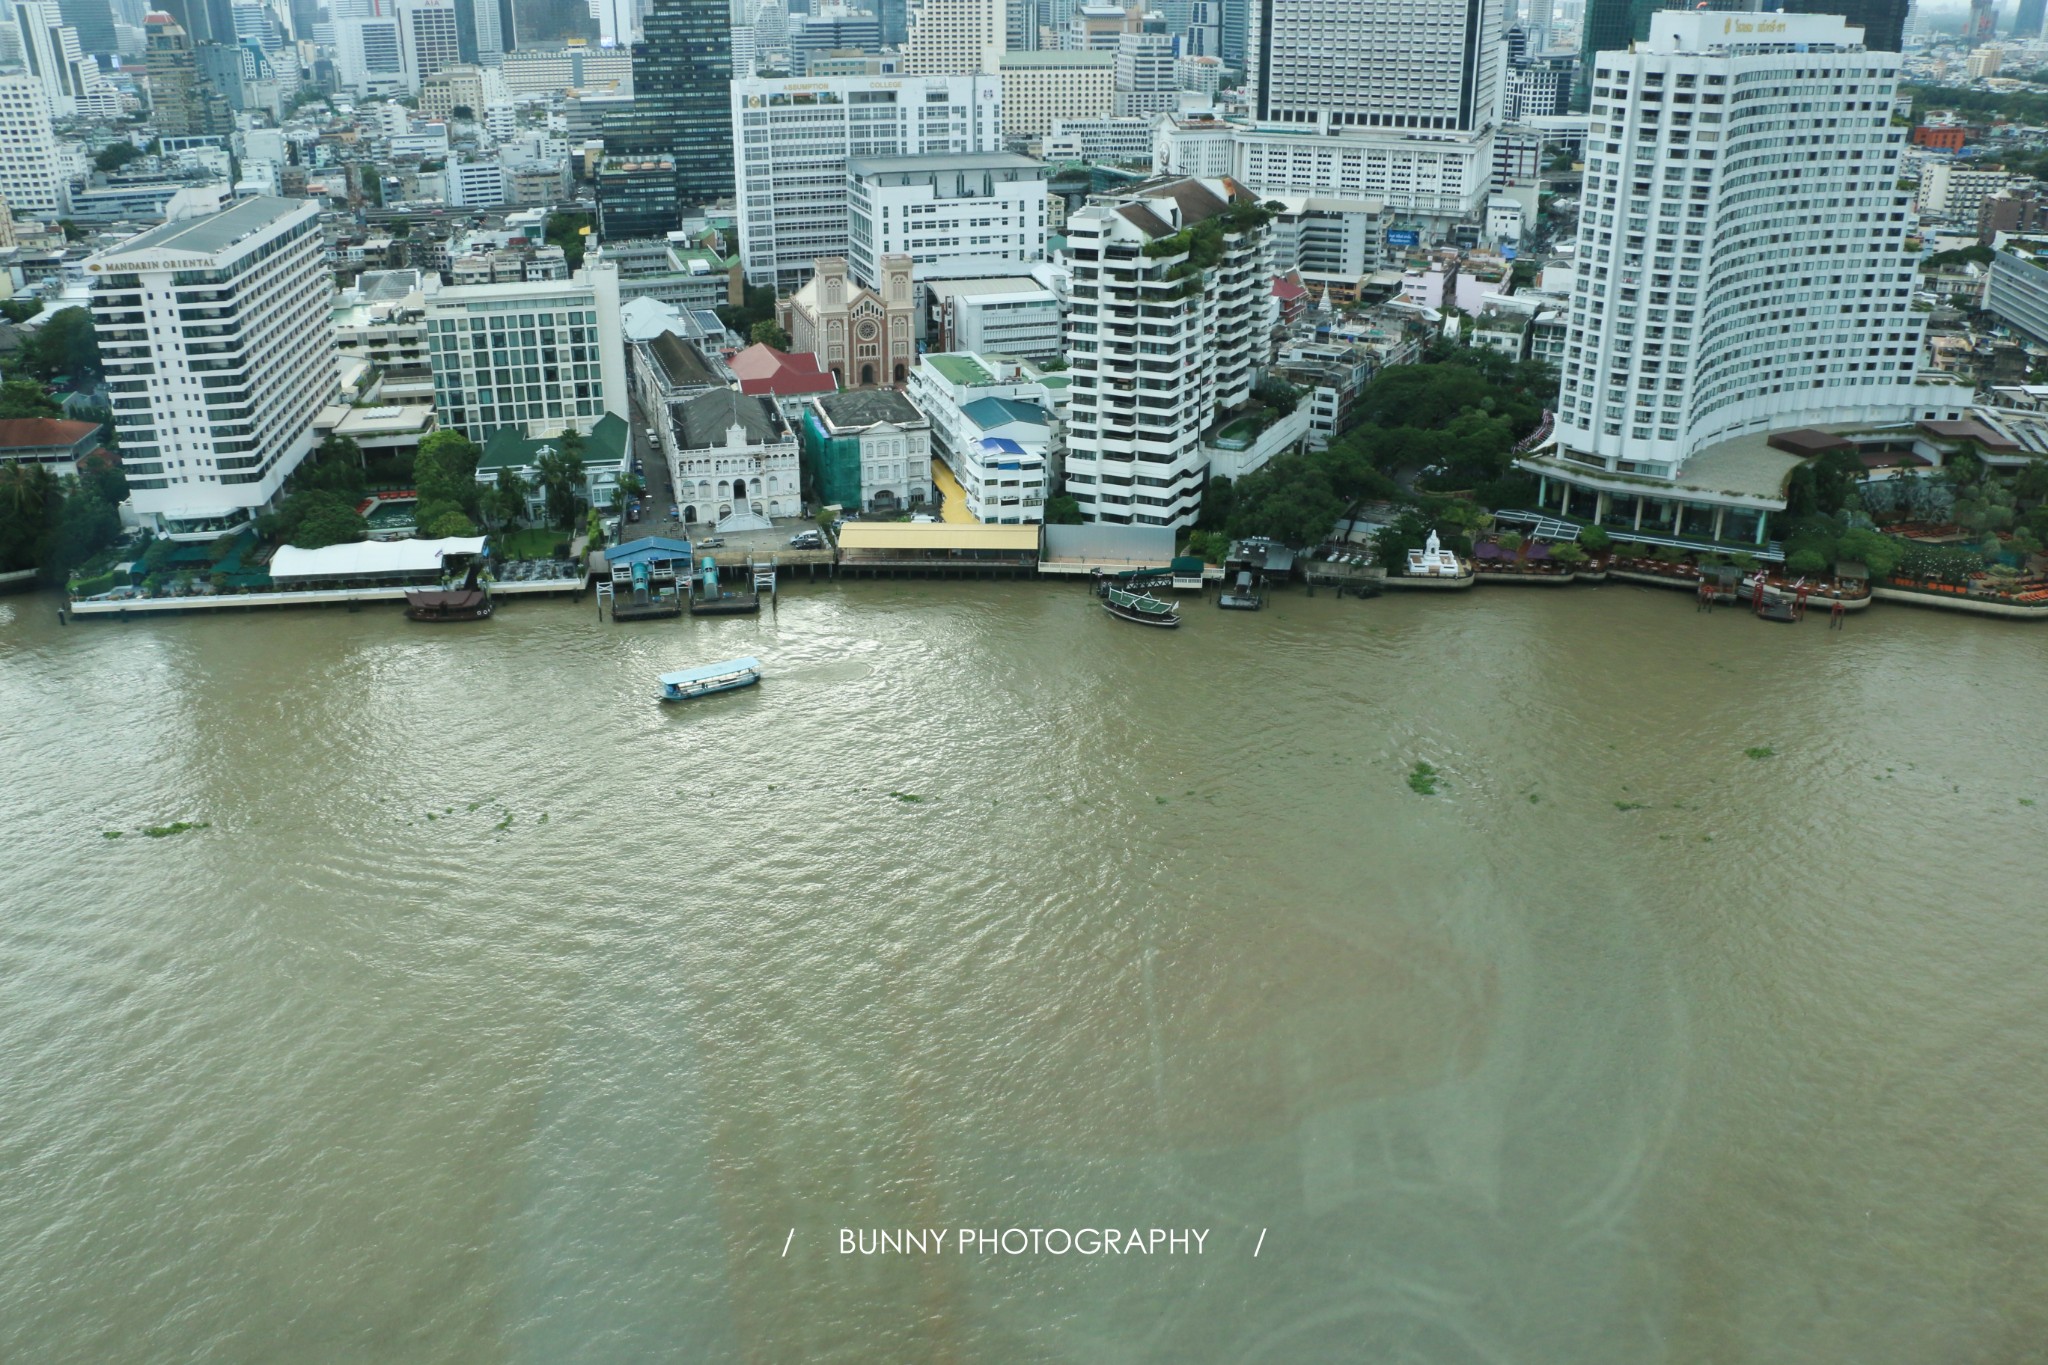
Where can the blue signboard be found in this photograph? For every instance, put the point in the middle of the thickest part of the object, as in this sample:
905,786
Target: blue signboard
1508,252
1402,237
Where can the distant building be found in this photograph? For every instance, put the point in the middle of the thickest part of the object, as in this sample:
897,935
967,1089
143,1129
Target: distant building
975,206
868,449
1040,88
864,337
197,469
32,181
636,197
1009,315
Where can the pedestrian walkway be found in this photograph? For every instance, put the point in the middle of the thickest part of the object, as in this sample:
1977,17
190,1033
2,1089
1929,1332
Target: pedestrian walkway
953,498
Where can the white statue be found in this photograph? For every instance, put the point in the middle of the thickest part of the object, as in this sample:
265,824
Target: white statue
1433,544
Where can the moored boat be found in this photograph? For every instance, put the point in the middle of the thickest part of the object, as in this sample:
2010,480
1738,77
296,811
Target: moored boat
448,604
1140,607
688,684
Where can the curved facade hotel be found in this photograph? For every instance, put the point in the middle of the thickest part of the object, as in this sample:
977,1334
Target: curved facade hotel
1741,270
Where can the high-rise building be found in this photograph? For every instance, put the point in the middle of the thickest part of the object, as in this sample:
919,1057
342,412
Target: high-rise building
1741,264
94,22
214,333
432,38
51,52
181,104
1140,396
682,76
982,207
369,55
31,181
537,356
1042,88
615,22
793,139
1422,65
480,35
1982,25
1883,21
2026,23
1402,97
1145,79
955,38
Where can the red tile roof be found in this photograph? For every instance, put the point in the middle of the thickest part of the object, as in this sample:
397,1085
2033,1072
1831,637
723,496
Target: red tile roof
763,369
42,433
1287,287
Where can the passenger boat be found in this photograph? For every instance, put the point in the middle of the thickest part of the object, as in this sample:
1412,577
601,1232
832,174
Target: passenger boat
690,683
1141,607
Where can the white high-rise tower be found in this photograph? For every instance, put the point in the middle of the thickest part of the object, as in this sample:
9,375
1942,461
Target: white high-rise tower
1741,252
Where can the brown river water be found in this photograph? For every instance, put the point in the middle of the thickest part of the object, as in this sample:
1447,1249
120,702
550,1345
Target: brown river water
497,1013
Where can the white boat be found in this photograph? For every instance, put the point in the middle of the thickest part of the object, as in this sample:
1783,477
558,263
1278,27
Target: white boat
690,683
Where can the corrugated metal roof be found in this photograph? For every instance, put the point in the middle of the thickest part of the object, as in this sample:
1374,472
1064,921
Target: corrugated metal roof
931,536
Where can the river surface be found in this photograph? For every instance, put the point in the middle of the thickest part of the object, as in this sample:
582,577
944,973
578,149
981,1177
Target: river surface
499,1014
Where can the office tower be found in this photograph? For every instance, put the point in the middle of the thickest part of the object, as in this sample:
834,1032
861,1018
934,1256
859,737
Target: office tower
431,38
1883,21
1140,397
615,22
94,22
974,206
682,74
1236,30
955,38
32,183
1422,65
480,32
204,21
1204,37
218,352
895,17
1982,25
2026,23
793,139
1145,79
50,51
1020,25
180,103
369,55
1738,270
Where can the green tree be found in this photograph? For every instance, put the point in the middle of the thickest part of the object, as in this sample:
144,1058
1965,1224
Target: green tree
324,518
560,476
26,398
449,523
86,523
117,156
1219,499
769,333
507,502
444,475
1062,510
65,348
103,474
569,232
1512,542
336,465
1277,394
1879,552
29,496
20,310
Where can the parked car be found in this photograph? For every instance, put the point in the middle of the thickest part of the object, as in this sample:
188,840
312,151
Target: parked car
807,540
675,513
714,543
634,514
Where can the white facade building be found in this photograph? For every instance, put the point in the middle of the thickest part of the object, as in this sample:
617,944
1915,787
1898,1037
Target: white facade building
1741,263
540,355
979,206
1015,315
1122,141
1040,88
793,139
32,182
1197,143
732,459
214,332
954,38
50,52
994,426
1155,353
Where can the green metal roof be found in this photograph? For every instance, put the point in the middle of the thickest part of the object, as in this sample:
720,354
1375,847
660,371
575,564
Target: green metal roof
509,447
958,369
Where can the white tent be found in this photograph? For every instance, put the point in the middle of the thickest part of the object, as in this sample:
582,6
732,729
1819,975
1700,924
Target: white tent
371,558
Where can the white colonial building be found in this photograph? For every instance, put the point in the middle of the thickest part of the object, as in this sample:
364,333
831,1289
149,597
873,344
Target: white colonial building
732,460
993,423
1168,323
218,353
